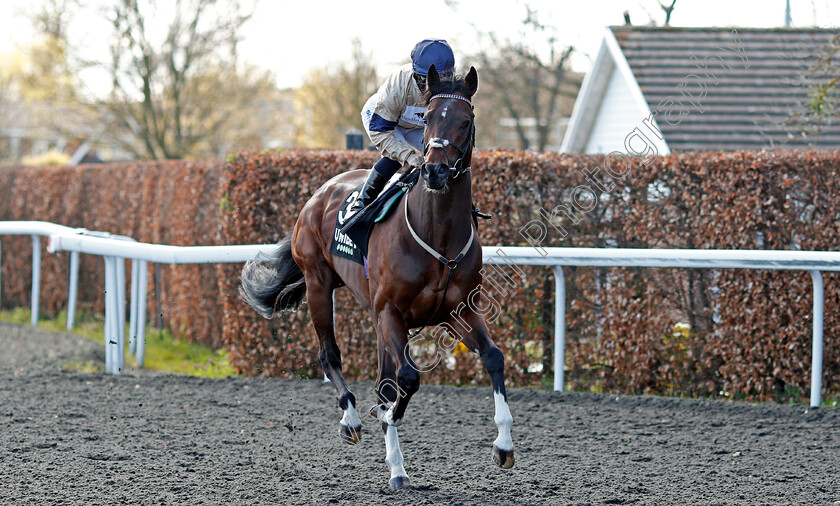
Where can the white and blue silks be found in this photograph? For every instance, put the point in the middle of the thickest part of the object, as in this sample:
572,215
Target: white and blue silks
393,116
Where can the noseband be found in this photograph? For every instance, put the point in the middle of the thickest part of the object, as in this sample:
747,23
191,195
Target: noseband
455,169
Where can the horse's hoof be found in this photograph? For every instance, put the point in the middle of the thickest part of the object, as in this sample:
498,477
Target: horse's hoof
399,482
350,435
502,458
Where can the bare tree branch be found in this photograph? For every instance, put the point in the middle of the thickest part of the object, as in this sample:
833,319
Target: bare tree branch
331,98
529,84
167,95
823,106
668,10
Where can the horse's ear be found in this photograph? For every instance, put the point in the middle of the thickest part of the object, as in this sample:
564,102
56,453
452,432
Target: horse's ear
432,78
471,81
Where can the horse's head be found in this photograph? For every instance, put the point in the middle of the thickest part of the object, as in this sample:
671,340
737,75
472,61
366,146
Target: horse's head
450,127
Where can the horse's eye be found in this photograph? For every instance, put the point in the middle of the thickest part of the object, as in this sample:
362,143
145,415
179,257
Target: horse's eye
465,125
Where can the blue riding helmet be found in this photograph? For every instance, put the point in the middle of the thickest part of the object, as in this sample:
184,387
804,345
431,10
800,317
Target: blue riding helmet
432,52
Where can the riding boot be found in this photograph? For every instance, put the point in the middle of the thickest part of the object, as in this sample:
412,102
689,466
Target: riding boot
373,186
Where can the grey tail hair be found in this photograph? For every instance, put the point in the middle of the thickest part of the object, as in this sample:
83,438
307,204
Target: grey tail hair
273,282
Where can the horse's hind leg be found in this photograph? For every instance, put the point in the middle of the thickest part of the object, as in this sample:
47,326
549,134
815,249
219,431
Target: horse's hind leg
319,296
386,392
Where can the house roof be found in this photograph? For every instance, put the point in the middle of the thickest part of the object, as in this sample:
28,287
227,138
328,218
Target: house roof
725,89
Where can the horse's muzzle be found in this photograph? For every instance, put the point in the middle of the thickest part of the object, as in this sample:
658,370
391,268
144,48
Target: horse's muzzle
435,175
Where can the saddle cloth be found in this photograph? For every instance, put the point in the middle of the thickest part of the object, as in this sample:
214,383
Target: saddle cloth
354,244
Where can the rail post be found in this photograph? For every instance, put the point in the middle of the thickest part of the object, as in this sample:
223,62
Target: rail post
73,290
817,339
119,267
114,341
559,328
132,308
36,278
140,328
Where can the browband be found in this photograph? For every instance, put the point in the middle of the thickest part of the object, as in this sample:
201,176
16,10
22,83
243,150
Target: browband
451,95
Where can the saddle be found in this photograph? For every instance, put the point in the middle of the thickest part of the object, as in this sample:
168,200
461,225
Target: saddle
354,244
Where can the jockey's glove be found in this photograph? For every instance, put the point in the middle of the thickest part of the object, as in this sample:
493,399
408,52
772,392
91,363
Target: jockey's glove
415,159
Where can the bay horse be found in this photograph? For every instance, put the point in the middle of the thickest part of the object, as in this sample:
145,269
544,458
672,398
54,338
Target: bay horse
423,262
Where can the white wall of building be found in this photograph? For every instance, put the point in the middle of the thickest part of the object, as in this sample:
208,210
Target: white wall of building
616,118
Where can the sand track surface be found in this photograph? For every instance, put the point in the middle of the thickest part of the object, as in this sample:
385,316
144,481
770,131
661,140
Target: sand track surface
141,438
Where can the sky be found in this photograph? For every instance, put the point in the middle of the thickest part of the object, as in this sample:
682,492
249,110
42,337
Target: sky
291,37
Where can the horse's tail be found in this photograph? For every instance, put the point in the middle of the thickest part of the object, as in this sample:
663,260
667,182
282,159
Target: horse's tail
273,282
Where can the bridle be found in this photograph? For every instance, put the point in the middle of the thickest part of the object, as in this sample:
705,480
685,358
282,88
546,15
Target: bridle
456,169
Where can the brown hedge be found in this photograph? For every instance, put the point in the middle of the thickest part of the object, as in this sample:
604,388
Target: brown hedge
750,330
172,202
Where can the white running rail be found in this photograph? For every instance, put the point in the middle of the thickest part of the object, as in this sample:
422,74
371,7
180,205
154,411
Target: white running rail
812,261
115,252
36,229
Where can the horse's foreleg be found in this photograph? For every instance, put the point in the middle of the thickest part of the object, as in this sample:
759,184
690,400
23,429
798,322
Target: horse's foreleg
394,458
394,336
478,339
494,362
320,301
387,392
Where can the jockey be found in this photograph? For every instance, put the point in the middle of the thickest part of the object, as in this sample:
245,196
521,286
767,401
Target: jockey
393,116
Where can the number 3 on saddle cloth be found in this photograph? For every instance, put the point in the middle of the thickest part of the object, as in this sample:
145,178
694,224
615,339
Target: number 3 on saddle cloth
354,244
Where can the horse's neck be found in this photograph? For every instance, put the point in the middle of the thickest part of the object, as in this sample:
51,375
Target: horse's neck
442,220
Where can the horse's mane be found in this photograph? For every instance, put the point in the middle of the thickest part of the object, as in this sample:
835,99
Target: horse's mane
455,85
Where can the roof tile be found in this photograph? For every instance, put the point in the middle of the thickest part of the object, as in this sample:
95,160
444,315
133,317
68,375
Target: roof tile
754,79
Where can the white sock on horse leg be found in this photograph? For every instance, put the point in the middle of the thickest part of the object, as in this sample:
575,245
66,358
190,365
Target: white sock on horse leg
386,415
503,421
351,417
393,455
